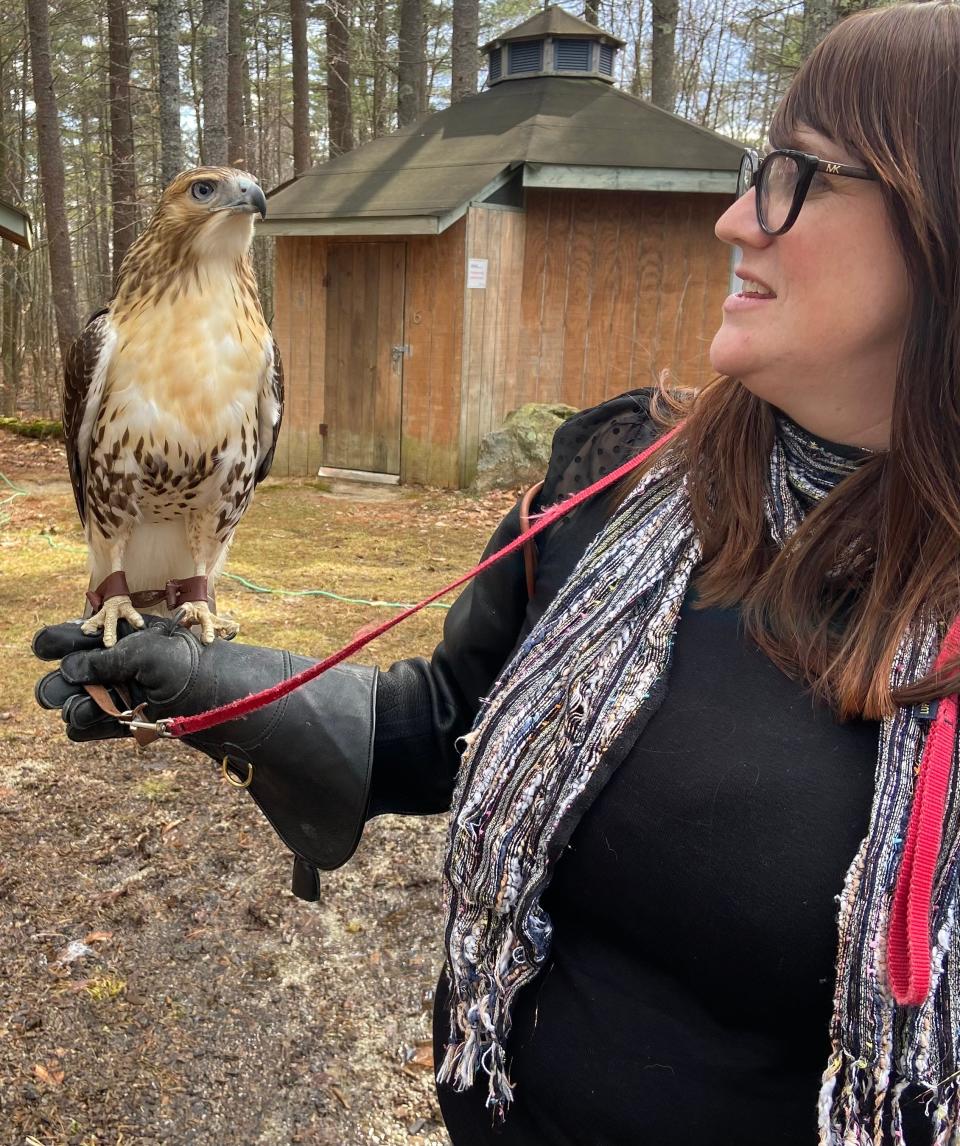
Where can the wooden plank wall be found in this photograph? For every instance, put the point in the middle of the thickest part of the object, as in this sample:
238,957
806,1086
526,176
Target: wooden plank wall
433,328
617,287
431,374
299,326
491,328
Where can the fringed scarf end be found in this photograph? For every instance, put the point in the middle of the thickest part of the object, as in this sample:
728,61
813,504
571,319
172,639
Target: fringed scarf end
858,1107
459,1069
853,1093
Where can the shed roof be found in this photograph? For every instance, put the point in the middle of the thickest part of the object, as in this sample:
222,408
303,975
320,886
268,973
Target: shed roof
553,21
423,177
15,225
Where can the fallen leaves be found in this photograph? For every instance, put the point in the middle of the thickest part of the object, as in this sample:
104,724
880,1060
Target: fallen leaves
50,1075
419,1056
340,1096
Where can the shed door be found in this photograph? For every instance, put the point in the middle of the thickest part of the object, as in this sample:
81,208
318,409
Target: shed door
363,371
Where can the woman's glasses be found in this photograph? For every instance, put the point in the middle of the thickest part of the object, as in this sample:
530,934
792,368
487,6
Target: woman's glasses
782,180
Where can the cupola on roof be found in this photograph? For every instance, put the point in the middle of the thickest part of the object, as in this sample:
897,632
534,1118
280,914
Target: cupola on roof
551,43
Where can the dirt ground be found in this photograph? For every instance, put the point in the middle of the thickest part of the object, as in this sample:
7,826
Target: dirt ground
158,981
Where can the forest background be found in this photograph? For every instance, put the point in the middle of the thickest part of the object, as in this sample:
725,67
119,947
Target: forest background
101,105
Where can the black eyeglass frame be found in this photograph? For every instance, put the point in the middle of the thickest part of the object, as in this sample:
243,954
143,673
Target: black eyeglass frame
808,166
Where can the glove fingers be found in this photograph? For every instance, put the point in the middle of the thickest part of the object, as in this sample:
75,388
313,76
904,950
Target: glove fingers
56,641
100,666
108,730
85,721
83,713
52,691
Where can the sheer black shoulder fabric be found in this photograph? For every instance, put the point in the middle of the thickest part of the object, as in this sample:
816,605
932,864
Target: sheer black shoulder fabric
424,705
595,441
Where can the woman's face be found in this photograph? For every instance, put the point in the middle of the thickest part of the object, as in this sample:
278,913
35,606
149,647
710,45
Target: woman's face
824,346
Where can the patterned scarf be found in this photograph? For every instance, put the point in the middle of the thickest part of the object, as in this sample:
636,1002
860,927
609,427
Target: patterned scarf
564,714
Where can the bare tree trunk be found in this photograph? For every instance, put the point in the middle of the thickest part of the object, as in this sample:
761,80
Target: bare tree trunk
92,288
245,85
196,47
258,84
465,56
301,87
52,178
123,178
213,63
426,72
168,64
410,63
103,197
380,111
339,102
663,82
237,78
591,12
819,16
11,286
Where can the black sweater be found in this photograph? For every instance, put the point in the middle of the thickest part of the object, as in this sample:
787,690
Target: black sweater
688,993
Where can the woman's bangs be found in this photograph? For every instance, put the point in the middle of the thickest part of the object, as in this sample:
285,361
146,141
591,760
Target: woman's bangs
835,94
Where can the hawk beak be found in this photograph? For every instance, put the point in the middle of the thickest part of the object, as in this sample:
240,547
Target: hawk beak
251,199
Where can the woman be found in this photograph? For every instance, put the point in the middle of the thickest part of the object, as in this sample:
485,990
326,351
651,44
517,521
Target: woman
711,702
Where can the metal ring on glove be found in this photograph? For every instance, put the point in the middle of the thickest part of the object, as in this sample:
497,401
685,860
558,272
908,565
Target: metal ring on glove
234,780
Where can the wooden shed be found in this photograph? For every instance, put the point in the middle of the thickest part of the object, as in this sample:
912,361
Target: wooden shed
550,239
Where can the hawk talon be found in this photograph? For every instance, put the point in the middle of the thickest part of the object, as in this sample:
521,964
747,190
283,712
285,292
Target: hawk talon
198,613
108,615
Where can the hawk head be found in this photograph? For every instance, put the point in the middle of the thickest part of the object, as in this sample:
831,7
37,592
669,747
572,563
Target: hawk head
210,211
204,220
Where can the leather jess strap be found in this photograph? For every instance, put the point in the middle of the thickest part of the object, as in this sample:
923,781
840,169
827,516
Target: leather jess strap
104,701
177,591
530,547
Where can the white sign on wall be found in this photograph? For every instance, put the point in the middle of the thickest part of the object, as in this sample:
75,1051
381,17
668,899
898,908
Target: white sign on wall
477,274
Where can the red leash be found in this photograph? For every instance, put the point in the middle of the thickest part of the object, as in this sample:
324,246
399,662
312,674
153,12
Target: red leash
908,941
176,726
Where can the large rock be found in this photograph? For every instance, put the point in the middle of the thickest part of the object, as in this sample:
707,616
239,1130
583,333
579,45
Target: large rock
517,454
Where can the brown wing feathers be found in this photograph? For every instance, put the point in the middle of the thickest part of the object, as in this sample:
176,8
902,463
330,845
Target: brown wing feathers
277,394
80,367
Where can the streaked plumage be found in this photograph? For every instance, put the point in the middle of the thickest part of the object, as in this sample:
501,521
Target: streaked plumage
173,395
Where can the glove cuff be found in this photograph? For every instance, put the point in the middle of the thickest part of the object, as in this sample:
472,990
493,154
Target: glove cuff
310,772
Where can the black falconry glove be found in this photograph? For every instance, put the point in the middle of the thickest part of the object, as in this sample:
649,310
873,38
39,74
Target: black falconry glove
308,757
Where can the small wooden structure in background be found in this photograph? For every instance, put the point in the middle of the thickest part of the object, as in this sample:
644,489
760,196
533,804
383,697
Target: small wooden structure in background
550,239
15,225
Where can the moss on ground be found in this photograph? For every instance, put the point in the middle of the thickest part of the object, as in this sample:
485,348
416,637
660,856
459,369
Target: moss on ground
41,428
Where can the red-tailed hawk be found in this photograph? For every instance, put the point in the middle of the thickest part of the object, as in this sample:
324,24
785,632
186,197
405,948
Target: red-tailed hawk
172,404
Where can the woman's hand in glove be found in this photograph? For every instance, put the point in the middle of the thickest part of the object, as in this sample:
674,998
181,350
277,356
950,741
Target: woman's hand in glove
307,756
152,671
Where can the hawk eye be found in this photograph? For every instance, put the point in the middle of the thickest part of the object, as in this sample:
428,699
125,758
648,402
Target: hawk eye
202,190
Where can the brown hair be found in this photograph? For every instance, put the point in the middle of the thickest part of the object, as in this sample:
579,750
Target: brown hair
885,85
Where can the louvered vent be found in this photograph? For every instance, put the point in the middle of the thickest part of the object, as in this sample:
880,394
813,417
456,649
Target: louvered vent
606,59
527,56
494,70
571,55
